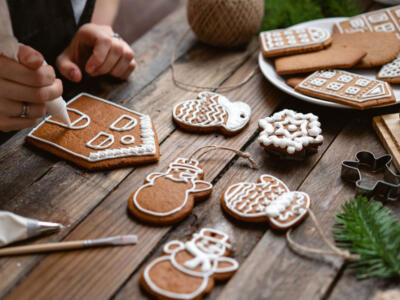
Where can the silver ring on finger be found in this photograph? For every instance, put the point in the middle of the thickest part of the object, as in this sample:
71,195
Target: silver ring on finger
116,35
24,111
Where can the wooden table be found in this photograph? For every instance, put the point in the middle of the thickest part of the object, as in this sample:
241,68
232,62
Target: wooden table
94,204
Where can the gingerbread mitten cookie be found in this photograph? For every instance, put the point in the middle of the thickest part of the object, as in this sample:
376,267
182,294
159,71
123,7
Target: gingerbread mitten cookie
267,200
212,112
289,133
188,270
168,197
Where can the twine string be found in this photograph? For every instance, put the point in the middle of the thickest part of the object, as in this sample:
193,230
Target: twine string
198,88
210,148
335,251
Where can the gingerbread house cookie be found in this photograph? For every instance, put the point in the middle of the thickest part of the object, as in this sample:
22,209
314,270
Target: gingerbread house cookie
212,112
390,72
347,88
268,200
292,41
187,270
290,134
103,135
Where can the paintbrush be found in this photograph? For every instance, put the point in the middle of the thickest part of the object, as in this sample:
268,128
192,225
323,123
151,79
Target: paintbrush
62,246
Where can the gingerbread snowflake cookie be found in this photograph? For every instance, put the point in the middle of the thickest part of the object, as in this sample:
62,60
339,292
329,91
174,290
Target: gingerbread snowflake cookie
268,200
187,270
212,112
292,41
103,135
168,197
289,133
390,72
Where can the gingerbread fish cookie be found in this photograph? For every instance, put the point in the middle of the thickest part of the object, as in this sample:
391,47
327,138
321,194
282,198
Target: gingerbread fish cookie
168,197
212,112
290,133
188,270
268,200
103,135
292,41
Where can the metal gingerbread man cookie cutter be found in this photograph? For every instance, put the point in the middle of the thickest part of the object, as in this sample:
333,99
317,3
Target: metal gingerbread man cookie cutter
387,188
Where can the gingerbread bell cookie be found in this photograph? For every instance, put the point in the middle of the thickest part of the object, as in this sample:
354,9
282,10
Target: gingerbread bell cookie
212,112
347,88
291,41
187,270
289,133
103,135
268,200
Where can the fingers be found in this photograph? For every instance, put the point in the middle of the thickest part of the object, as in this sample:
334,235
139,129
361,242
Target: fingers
115,53
19,73
125,65
11,108
10,124
100,51
14,91
68,68
29,57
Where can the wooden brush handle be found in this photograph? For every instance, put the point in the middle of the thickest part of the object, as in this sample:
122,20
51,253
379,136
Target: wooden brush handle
50,247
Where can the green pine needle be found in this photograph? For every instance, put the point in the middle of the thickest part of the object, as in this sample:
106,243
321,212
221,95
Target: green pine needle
367,228
284,13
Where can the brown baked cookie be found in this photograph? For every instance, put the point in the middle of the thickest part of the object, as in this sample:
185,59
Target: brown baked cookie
347,88
339,56
386,20
381,47
390,72
188,270
166,198
291,41
103,135
268,200
293,81
289,133
212,112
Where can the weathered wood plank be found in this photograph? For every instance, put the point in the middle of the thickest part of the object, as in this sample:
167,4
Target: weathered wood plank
157,100
110,217
285,274
244,235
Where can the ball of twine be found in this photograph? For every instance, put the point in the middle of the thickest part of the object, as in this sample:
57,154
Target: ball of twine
225,23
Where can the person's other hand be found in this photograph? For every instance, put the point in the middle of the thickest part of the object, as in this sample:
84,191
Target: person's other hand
25,87
95,50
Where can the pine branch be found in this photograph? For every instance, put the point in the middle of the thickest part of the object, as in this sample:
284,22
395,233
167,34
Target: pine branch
367,228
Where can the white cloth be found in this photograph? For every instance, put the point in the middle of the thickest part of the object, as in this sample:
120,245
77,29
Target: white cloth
78,6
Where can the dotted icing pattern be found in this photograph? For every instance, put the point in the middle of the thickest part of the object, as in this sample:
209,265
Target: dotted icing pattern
390,70
293,38
290,130
347,86
387,20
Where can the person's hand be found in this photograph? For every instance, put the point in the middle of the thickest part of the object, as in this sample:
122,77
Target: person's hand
25,87
95,50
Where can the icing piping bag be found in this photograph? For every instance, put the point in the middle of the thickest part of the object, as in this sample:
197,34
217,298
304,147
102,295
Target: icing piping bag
9,47
15,228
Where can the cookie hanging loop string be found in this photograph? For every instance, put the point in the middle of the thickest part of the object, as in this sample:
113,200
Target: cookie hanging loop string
198,88
335,251
210,148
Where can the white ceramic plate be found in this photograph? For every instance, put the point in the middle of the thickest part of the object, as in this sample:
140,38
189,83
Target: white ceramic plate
267,68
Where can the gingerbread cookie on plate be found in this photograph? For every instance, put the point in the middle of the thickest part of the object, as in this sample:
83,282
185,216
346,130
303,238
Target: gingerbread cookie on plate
188,270
103,135
347,88
212,112
291,41
268,200
390,72
290,134
168,197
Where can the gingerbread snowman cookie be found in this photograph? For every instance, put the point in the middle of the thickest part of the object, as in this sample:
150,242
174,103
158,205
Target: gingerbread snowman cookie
168,197
268,200
212,112
289,133
188,269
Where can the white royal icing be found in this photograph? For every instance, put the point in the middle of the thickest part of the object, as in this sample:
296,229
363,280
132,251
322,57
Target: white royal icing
333,85
190,174
82,117
390,70
148,146
208,252
127,139
108,140
302,130
267,200
128,126
293,38
200,113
